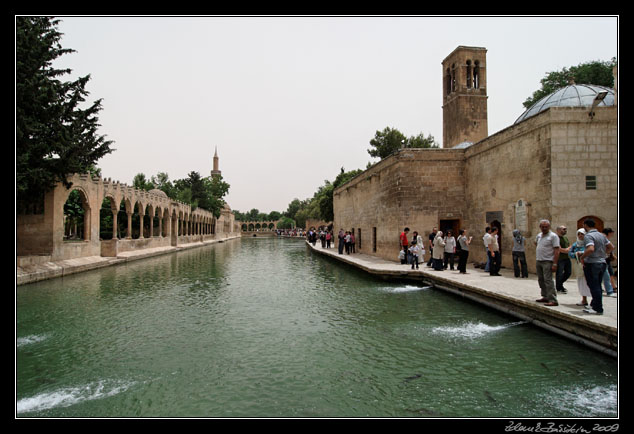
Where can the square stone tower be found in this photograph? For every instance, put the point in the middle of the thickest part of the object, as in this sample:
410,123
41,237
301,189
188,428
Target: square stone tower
464,96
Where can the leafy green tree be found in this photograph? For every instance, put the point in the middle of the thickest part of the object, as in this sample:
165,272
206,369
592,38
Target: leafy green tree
240,216
55,137
596,72
325,193
390,140
292,208
320,206
253,214
344,177
74,213
216,189
286,223
301,216
142,183
162,182
420,141
386,142
198,188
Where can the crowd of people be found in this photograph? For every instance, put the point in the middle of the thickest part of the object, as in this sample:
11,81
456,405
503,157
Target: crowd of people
291,232
346,241
444,249
590,257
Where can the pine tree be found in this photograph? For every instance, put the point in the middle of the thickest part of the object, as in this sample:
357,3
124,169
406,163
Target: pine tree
55,137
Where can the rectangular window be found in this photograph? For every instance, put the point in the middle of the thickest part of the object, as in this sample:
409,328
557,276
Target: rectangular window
358,239
591,182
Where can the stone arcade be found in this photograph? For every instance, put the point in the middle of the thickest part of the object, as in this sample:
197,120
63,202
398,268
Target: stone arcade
168,223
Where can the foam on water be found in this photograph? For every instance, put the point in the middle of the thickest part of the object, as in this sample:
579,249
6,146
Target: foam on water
590,401
406,288
31,339
472,330
71,396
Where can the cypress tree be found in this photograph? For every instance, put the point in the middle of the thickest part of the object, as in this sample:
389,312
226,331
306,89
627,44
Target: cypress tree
55,136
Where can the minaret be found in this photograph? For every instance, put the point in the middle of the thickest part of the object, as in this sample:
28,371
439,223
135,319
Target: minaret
464,96
216,171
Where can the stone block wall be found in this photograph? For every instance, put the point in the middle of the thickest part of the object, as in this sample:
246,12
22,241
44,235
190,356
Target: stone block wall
510,166
542,164
414,188
581,148
527,172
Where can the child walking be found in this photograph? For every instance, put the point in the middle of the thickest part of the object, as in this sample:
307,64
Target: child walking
415,250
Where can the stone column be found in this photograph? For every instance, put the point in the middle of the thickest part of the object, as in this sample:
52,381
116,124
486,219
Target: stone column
141,225
128,230
87,221
114,224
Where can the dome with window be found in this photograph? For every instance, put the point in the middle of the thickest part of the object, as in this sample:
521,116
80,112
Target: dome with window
573,95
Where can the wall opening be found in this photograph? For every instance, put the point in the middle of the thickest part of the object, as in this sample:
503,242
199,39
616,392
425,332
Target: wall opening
76,217
374,239
599,225
106,219
468,74
451,224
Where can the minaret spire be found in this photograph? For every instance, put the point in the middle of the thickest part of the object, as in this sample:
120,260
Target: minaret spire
216,170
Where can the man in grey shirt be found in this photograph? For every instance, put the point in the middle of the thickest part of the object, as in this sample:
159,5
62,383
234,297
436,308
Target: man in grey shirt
594,264
547,254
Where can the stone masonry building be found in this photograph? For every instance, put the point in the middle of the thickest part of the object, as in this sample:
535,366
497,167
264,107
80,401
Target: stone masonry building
558,161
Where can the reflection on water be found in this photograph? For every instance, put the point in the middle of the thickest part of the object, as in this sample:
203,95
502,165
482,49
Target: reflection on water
264,328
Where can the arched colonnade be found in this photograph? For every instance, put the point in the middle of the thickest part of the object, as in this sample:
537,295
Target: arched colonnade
255,226
136,219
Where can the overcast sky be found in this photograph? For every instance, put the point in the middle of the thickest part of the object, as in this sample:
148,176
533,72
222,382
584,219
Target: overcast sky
288,101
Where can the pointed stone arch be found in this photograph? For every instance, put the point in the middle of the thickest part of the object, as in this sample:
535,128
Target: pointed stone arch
77,215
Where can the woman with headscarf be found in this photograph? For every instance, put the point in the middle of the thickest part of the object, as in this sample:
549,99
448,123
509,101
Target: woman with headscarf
576,250
438,252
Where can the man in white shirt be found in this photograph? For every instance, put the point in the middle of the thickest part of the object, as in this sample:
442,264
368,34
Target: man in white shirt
493,251
485,240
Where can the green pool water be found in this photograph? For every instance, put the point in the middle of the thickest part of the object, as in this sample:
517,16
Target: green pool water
265,328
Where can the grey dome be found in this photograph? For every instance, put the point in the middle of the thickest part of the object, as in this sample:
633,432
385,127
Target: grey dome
158,192
463,145
574,95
